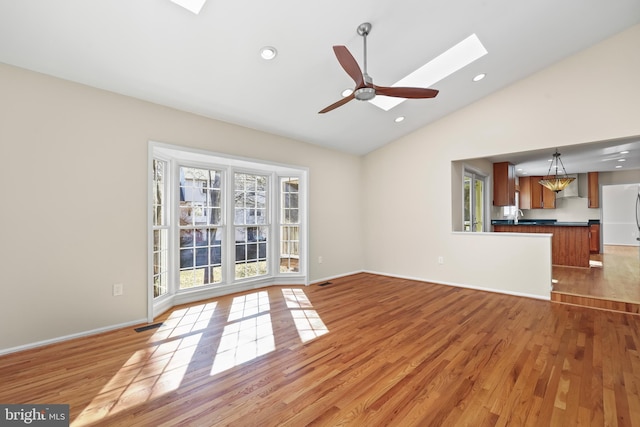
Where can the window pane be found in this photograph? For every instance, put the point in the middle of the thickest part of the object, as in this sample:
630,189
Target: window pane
467,203
251,251
160,262
289,252
159,167
478,205
289,229
200,256
200,196
250,199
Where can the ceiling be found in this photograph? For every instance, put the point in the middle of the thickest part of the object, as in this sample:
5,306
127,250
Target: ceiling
604,156
209,64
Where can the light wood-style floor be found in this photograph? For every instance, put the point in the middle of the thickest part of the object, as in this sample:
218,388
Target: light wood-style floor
365,350
618,278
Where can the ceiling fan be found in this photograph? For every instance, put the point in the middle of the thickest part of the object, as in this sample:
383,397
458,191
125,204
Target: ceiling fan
365,89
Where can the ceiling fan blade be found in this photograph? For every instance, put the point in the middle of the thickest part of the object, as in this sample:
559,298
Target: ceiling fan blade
405,92
337,104
350,65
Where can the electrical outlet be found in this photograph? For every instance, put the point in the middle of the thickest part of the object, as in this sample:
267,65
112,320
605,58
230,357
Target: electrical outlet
117,289
320,260
440,260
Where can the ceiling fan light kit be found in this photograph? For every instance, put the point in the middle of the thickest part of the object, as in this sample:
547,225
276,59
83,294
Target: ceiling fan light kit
556,182
365,90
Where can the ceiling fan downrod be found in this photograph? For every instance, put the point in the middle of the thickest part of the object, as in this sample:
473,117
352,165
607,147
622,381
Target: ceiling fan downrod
365,93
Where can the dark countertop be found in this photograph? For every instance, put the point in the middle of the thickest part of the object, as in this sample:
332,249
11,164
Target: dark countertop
544,222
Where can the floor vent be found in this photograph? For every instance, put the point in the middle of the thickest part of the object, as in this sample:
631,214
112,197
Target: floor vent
324,284
146,328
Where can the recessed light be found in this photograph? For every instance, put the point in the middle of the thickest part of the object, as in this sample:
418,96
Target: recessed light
618,167
624,152
442,66
622,160
191,5
347,92
268,52
479,77
398,119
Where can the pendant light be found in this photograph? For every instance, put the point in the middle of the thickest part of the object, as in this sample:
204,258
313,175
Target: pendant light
556,182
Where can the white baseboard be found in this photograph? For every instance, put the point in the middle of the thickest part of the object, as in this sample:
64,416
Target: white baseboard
460,285
70,337
337,276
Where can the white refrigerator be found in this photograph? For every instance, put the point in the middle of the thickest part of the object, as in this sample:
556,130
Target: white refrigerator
621,214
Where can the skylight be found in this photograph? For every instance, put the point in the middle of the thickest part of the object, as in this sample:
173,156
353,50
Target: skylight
447,63
194,6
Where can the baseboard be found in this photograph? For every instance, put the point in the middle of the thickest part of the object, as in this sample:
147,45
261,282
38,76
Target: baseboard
71,337
460,285
337,276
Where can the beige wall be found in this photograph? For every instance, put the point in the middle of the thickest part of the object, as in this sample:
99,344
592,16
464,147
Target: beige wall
410,188
74,201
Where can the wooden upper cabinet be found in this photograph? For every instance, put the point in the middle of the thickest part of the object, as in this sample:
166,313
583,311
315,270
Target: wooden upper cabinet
536,192
525,192
541,197
548,198
593,190
504,184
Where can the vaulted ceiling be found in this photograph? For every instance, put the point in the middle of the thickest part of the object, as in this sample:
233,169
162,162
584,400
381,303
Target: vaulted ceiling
209,63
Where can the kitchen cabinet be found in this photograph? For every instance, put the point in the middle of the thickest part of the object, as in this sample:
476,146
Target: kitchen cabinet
593,190
541,197
536,192
525,192
504,184
548,198
594,238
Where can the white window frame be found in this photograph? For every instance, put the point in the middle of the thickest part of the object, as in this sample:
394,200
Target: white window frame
178,156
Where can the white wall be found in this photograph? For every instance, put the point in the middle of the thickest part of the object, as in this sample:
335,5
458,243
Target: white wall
74,202
591,96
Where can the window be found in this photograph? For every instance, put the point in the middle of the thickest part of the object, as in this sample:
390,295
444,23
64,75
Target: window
289,225
160,229
474,205
200,227
222,225
251,225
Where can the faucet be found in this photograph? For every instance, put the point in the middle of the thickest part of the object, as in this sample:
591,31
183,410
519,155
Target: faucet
515,216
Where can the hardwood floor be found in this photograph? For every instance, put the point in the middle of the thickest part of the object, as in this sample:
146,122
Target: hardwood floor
363,350
615,285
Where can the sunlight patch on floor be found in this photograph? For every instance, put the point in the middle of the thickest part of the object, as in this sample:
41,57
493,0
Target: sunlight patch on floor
308,322
155,370
243,341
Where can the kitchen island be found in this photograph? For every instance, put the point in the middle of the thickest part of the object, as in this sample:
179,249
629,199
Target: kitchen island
569,244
